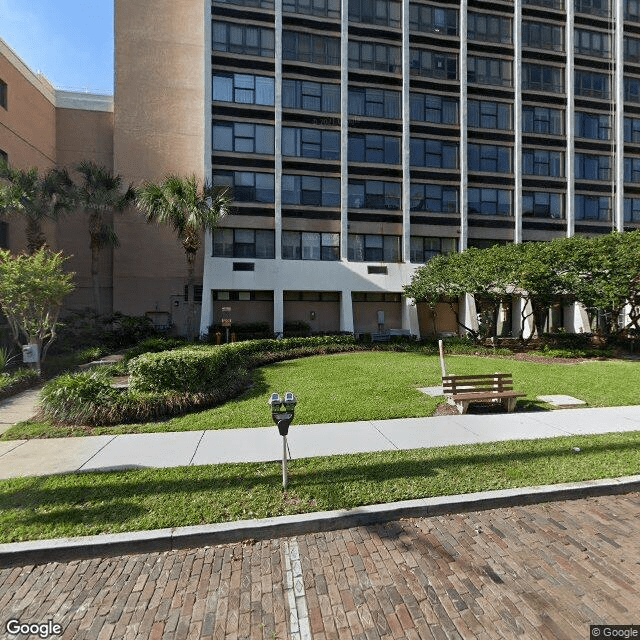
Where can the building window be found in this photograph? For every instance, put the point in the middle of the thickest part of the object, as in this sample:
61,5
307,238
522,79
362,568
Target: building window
243,39
259,4
311,190
243,89
631,49
4,91
542,35
374,148
374,57
243,138
537,77
484,114
423,249
374,194
434,198
310,143
490,71
540,204
375,103
632,10
4,157
304,245
433,153
430,19
431,64
592,85
243,243
489,157
489,202
307,47
539,162
426,107
593,167
592,207
594,126
592,7
488,28
632,169
322,8
311,96
631,90
548,4
632,209
4,235
592,43
542,120
632,129
247,186
373,248
383,12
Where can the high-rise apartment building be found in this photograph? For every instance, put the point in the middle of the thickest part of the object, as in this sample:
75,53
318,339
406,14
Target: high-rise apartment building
361,138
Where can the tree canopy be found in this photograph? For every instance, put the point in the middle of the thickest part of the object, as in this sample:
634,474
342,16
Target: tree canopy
32,288
602,273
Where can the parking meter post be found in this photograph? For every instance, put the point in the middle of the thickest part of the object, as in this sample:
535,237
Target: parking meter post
282,412
285,473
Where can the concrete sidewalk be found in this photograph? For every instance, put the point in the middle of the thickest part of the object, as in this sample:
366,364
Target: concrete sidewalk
100,453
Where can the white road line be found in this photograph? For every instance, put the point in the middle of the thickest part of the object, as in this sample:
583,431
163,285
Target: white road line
298,614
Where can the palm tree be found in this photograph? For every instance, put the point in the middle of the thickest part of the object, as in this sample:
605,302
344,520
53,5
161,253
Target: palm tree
36,197
100,195
189,209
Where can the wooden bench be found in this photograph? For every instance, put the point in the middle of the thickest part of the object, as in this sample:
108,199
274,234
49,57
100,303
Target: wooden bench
495,387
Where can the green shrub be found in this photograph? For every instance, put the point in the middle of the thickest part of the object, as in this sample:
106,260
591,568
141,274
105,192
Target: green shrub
78,397
574,353
153,345
16,381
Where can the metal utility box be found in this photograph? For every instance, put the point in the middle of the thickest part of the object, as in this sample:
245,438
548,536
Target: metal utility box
30,353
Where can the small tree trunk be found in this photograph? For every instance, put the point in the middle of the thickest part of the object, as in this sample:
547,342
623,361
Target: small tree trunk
95,280
35,236
191,259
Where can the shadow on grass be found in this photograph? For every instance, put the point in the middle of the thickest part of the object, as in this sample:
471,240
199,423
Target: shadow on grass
314,475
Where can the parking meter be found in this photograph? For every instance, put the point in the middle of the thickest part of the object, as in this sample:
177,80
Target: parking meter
282,412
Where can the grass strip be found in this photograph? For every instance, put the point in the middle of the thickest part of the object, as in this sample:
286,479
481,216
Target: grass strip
109,502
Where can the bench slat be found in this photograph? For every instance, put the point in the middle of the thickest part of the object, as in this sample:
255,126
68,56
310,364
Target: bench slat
479,376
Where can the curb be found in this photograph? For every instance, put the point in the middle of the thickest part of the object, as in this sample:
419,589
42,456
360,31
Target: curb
159,540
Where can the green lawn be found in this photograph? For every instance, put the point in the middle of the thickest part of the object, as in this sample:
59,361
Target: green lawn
381,385
92,503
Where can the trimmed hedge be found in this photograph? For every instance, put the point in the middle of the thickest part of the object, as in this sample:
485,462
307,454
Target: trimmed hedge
174,382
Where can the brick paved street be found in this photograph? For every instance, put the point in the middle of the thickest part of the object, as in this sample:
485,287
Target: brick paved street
541,571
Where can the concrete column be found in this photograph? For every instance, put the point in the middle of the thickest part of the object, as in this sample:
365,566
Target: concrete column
278,130
278,311
618,204
569,124
206,310
517,121
410,317
344,133
406,137
346,312
464,174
